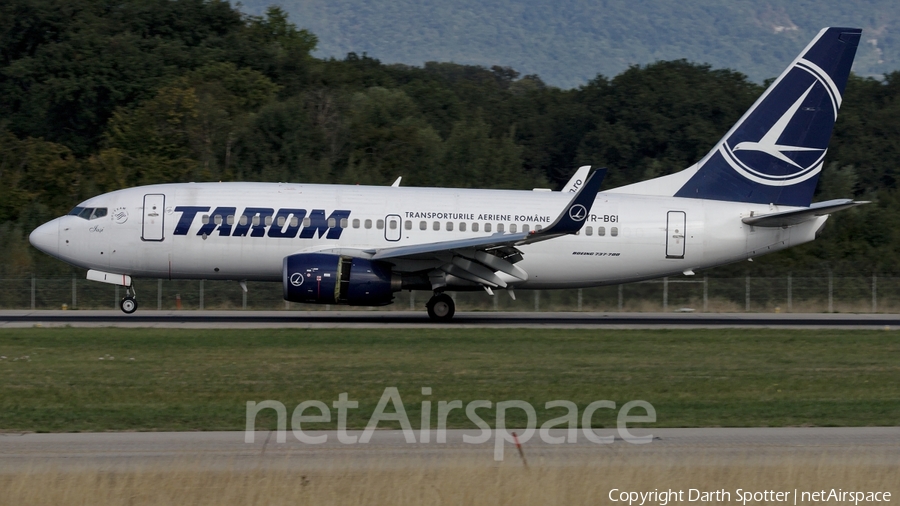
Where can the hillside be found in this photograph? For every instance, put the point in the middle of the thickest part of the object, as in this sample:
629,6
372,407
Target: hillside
568,42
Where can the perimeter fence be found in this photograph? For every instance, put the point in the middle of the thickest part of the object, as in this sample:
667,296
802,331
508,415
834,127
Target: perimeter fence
876,293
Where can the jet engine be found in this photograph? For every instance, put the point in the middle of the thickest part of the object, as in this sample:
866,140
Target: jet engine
321,278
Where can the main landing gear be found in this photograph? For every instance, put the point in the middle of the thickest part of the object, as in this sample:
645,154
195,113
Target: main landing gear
128,304
441,307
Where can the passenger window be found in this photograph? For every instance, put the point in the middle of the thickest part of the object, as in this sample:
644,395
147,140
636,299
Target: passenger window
343,222
462,227
525,228
229,219
368,224
449,226
217,219
436,226
601,231
588,230
614,231
392,224
537,228
332,223
243,220
475,227
513,228
499,228
99,213
423,225
255,220
204,219
356,223
407,225
268,221
379,224
487,227
306,222
294,221
281,221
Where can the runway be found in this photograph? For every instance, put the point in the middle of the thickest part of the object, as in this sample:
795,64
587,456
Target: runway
418,319
228,450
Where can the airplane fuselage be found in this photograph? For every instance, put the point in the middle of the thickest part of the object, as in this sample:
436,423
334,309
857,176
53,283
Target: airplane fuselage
243,231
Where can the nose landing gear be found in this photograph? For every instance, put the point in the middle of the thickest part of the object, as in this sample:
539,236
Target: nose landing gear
128,304
441,307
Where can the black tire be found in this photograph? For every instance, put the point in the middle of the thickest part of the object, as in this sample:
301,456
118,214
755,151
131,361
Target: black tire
441,308
128,305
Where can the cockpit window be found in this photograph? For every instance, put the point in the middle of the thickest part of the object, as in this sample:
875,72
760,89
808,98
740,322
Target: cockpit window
88,213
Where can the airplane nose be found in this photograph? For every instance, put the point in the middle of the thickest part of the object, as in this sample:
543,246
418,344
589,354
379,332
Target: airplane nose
46,238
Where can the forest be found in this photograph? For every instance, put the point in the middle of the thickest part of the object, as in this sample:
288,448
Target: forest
97,95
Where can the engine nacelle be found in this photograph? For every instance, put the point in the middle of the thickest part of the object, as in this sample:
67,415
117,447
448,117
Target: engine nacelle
321,278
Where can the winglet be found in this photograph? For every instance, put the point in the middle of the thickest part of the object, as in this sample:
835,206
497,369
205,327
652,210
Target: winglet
577,179
574,215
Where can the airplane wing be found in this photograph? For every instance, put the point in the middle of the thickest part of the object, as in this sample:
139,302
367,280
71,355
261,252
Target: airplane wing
569,221
788,218
480,259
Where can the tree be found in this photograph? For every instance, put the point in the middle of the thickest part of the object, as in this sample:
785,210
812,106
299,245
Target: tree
188,130
664,117
286,141
473,159
388,138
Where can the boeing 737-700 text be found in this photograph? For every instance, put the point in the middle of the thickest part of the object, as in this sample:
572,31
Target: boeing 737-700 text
358,245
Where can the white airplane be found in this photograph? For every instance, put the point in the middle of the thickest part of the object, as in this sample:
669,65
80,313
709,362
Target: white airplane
358,245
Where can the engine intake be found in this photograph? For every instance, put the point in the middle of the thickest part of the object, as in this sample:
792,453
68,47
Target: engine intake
321,278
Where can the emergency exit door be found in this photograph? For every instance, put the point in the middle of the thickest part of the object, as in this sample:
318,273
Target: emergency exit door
392,227
675,234
154,214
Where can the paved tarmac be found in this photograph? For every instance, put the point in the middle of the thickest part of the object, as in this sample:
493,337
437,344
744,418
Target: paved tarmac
418,319
228,450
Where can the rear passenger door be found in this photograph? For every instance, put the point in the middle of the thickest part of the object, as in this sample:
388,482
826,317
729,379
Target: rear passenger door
675,235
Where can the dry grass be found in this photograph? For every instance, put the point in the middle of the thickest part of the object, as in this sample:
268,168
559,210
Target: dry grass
399,481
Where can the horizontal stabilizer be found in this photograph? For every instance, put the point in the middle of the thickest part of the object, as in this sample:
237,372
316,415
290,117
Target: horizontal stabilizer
797,216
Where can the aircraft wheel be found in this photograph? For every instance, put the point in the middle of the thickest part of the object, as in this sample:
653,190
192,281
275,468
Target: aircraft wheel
128,305
441,307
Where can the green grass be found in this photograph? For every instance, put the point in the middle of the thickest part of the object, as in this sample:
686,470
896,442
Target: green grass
202,379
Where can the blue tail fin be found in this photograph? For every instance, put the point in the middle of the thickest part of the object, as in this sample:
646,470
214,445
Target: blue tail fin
774,154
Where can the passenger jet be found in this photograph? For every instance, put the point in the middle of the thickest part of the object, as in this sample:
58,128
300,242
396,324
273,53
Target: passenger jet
358,245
